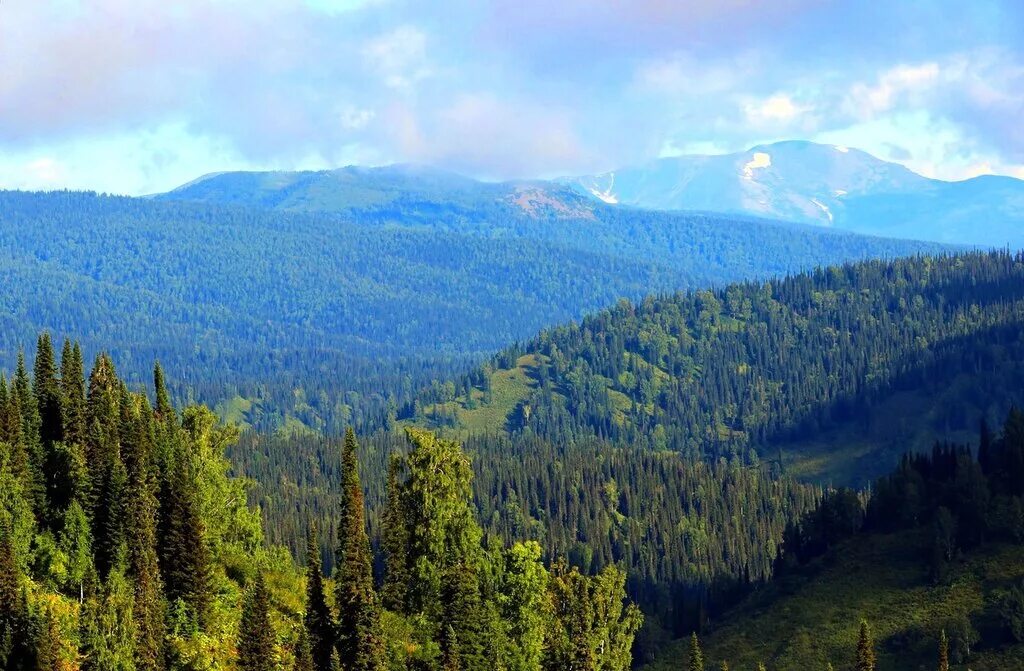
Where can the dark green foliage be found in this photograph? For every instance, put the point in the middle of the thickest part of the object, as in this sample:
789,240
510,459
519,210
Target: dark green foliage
256,641
1011,612
359,640
185,556
865,649
319,622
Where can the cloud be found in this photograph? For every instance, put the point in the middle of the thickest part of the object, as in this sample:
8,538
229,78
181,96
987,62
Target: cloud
496,88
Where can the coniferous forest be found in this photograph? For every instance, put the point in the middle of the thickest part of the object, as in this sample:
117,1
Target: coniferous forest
140,535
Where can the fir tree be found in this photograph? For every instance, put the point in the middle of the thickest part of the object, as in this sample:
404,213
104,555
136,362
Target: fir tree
185,556
108,628
395,542
318,620
696,662
359,641
140,534
110,516
47,391
164,409
75,541
29,413
256,640
865,649
72,385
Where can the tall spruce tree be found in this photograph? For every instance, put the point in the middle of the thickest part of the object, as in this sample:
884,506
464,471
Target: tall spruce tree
29,413
47,391
696,659
140,535
360,645
865,649
256,640
72,385
318,619
185,555
395,543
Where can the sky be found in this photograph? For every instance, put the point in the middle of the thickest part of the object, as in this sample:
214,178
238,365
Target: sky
139,96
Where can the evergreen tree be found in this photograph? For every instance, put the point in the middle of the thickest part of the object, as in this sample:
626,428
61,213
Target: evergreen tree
865,649
303,654
696,662
107,626
111,513
318,620
29,413
359,641
256,640
395,543
164,409
943,652
75,541
12,615
72,385
185,555
140,534
47,391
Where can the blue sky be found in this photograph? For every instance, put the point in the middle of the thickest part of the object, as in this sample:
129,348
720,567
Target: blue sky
137,96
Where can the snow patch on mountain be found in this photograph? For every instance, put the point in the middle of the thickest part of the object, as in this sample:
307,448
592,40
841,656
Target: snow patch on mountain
824,208
761,160
842,149
606,195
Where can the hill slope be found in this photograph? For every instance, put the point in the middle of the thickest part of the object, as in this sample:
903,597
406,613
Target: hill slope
825,185
291,311
885,356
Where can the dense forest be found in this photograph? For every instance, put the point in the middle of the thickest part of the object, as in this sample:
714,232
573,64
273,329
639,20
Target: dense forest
734,372
692,536
125,544
932,558
325,319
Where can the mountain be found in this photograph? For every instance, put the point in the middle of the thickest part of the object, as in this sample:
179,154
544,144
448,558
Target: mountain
330,318
824,185
832,374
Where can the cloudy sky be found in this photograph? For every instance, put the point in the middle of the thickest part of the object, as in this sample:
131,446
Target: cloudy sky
137,96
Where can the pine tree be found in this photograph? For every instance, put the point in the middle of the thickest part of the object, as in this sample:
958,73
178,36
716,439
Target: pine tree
359,641
256,640
865,649
943,652
319,622
696,655
11,613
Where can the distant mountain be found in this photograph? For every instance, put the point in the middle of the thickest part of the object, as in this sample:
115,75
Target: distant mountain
824,185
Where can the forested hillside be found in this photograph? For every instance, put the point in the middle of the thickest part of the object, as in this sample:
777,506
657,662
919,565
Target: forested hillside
125,544
319,320
932,560
749,369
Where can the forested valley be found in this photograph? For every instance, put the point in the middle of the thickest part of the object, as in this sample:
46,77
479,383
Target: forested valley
504,527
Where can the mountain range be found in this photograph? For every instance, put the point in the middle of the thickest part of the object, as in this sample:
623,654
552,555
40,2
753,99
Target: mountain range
824,185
